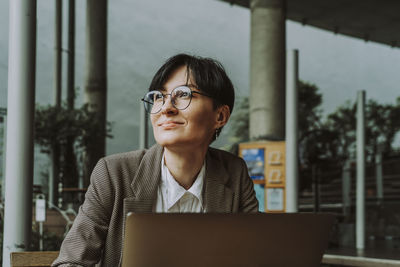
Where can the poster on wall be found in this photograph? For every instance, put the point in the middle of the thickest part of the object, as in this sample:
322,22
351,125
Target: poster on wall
255,161
260,192
275,199
265,162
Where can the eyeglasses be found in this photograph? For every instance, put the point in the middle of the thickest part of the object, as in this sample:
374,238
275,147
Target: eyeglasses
181,97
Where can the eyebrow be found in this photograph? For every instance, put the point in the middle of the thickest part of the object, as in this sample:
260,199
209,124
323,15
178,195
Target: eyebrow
162,89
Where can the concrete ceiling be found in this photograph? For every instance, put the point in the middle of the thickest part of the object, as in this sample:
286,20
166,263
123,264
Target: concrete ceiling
370,20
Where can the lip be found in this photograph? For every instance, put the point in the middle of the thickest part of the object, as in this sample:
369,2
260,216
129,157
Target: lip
170,124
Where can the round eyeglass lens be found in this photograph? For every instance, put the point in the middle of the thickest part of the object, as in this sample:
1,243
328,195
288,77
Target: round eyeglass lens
181,97
153,101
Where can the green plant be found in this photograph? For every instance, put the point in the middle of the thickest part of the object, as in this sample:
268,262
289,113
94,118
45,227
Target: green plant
72,131
51,242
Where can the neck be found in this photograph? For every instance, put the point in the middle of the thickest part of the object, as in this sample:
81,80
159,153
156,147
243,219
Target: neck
184,165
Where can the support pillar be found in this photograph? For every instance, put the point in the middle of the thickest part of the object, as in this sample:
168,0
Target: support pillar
267,70
71,55
360,196
21,100
292,171
55,148
96,76
58,52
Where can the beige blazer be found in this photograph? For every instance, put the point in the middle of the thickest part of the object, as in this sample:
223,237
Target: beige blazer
128,182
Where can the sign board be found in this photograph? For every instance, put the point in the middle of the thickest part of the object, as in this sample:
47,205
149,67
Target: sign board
266,164
275,199
40,210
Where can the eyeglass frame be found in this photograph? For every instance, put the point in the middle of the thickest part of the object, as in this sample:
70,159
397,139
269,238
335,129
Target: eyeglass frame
172,100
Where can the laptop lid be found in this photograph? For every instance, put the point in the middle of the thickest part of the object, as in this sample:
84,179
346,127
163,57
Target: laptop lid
286,239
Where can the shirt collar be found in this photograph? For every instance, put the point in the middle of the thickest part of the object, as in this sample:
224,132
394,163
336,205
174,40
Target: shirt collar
174,191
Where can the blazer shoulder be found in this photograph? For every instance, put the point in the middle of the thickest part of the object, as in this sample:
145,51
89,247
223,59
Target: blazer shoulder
120,158
129,162
223,155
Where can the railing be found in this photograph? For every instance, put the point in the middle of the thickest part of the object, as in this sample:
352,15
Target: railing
341,260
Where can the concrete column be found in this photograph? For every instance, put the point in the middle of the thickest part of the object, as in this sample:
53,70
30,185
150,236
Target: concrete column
96,76
360,195
21,99
292,171
267,70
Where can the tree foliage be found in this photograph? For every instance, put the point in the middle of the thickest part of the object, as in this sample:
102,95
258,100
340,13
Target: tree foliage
309,108
332,138
309,115
57,125
60,126
382,125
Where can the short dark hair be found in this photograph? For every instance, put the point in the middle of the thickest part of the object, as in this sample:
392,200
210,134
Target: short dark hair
208,74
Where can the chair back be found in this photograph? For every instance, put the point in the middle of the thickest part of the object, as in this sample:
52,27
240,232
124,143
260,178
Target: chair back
33,258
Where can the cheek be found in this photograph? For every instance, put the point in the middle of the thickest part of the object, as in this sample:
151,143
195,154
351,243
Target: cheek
153,120
204,124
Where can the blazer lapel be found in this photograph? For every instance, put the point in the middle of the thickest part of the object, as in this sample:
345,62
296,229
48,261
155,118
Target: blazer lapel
145,183
144,186
218,197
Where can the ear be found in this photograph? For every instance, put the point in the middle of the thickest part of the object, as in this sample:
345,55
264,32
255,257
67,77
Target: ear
223,115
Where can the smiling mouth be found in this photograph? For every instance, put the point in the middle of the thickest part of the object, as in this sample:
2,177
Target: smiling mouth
170,124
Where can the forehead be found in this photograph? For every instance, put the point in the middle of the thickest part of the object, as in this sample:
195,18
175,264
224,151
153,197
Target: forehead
177,78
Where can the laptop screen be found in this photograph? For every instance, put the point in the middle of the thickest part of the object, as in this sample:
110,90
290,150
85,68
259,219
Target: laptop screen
285,239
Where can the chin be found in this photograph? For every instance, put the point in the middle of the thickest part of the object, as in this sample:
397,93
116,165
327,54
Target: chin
167,140
174,141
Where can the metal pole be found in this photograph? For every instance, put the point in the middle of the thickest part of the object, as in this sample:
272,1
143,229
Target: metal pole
58,52
71,55
379,177
41,236
40,216
55,149
21,100
315,178
54,175
70,169
346,188
292,75
143,137
360,205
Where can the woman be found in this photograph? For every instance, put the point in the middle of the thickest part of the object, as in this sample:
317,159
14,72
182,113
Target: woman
190,100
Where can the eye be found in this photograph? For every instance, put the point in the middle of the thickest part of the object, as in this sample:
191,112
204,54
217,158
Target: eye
182,92
157,96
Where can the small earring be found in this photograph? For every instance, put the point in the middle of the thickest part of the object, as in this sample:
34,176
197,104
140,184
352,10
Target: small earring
216,133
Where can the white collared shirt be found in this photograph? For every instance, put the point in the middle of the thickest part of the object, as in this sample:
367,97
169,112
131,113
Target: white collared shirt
172,197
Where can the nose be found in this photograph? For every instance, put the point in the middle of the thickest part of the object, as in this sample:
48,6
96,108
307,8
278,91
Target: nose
168,107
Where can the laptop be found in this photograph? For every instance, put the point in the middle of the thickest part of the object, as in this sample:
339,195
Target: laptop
209,239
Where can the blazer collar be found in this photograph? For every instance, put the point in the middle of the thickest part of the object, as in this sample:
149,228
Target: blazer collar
148,175
217,196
